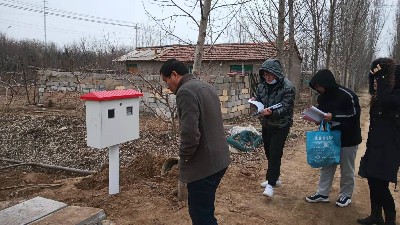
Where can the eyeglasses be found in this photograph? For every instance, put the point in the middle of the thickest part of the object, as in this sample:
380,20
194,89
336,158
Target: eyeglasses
269,75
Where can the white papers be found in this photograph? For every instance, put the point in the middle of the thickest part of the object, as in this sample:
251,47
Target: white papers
259,105
313,114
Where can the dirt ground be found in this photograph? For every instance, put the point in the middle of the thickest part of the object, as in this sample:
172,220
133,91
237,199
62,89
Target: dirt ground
146,197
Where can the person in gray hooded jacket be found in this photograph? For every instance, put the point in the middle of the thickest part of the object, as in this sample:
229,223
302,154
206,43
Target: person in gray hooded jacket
274,88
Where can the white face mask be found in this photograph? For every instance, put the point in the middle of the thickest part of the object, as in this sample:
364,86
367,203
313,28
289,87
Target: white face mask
272,82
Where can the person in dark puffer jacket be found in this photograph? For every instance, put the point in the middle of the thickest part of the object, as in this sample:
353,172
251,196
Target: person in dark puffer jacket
274,88
381,161
341,105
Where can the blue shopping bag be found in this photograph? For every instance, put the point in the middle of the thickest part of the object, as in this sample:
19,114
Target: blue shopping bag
323,146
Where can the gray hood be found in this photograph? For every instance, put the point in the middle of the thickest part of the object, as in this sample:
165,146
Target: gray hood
273,66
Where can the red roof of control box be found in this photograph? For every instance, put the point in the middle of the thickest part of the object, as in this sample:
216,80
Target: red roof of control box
111,95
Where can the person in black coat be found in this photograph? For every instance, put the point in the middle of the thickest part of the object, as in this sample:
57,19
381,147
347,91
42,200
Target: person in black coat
381,161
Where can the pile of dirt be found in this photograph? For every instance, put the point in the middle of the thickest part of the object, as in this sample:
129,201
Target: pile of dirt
143,167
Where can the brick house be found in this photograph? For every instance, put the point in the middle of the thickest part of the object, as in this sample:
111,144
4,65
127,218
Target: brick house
218,59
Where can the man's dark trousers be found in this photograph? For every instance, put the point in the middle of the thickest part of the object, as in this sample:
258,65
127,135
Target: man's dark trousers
201,198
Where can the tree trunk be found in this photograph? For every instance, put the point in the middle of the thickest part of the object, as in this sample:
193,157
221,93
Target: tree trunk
294,78
198,54
291,39
331,32
281,30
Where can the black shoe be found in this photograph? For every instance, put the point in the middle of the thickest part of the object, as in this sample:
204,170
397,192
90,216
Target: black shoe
390,217
317,198
370,220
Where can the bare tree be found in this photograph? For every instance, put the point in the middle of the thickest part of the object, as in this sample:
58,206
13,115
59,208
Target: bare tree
292,42
198,53
186,11
396,38
165,109
280,39
332,10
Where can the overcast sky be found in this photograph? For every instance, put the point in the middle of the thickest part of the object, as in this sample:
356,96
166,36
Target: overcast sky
24,19
27,21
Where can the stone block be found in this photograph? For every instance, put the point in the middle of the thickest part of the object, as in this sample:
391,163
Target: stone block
74,215
224,110
29,211
227,80
219,80
245,112
227,116
62,89
246,96
223,98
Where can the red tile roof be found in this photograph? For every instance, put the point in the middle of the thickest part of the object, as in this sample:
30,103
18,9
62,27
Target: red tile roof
217,52
111,95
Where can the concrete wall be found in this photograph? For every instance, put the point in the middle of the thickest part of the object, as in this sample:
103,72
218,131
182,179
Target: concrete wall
62,89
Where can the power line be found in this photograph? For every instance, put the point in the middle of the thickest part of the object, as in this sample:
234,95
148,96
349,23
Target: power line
66,16
66,12
126,35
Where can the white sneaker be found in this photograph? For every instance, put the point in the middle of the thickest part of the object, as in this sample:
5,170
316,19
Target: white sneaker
269,191
277,184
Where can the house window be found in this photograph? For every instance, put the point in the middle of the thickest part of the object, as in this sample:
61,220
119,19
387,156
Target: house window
248,69
111,113
129,110
132,67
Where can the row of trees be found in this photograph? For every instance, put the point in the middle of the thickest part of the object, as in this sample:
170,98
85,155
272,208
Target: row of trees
338,34
92,54
21,60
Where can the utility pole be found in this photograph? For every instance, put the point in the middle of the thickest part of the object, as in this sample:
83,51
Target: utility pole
136,29
44,22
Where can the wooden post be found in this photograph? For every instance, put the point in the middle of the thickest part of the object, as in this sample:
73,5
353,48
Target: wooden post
182,191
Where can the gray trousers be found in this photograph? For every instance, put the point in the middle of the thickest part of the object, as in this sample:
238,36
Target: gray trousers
347,158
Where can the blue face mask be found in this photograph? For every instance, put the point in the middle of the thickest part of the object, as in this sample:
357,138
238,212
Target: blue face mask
272,82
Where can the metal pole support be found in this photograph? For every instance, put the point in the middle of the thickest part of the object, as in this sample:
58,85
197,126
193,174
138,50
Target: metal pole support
113,170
